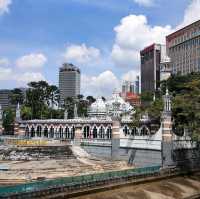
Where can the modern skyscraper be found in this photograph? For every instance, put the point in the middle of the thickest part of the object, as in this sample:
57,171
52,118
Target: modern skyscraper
183,47
127,86
150,66
5,98
137,85
69,81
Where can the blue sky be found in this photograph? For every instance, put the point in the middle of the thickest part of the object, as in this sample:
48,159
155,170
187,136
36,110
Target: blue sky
102,37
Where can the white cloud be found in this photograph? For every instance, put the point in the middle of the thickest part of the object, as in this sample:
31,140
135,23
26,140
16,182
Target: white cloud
130,75
146,3
4,62
101,85
81,54
4,6
132,35
31,61
5,73
191,14
28,77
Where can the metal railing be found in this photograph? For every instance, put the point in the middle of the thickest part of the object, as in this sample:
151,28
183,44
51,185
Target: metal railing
75,180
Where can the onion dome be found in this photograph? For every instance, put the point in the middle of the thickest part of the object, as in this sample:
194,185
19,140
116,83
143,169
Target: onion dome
97,108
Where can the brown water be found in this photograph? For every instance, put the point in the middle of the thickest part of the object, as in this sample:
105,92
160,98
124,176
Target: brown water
175,188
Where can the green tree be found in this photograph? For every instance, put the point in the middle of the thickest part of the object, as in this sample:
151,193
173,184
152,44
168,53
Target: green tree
41,98
26,112
8,121
53,98
69,103
16,96
90,99
146,98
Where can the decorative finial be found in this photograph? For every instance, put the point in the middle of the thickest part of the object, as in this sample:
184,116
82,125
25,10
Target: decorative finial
75,112
66,114
1,113
154,97
167,91
18,115
167,101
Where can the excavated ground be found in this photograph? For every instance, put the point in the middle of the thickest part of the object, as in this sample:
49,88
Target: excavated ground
174,188
26,164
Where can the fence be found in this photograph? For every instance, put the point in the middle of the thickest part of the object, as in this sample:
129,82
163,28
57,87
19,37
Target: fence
75,180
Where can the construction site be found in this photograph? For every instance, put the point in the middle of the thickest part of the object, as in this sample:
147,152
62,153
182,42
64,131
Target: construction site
21,164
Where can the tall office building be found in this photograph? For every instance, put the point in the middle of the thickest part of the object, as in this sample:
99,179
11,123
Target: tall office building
137,85
69,81
183,47
128,86
5,98
150,66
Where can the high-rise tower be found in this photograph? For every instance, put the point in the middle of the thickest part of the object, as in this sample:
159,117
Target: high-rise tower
150,67
69,81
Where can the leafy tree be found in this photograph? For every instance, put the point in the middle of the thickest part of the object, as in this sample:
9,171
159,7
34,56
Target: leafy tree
90,99
147,98
16,96
83,107
41,98
186,107
69,103
26,112
8,121
53,97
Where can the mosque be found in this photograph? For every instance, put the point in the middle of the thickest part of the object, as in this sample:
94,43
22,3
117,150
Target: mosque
109,132
98,124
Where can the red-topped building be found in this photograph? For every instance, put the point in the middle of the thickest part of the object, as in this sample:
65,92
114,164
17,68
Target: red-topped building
132,98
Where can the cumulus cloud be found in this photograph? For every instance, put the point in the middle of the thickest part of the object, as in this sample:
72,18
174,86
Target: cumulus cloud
82,54
133,34
130,75
102,84
191,14
145,3
4,62
4,6
5,73
29,76
31,61
8,74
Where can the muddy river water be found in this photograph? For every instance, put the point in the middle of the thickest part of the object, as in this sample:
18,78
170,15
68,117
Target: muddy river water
174,188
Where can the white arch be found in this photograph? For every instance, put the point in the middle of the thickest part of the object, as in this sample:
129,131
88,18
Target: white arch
144,127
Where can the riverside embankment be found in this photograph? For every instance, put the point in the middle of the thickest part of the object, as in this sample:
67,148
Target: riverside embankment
180,187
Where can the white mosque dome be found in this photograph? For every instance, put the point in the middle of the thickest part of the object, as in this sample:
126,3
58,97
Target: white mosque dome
116,106
98,108
116,99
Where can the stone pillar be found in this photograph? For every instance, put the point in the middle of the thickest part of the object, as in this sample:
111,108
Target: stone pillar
1,127
17,130
115,140
78,135
167,138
